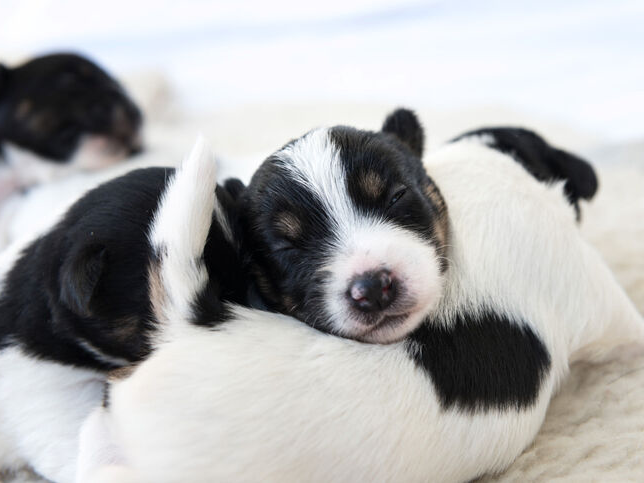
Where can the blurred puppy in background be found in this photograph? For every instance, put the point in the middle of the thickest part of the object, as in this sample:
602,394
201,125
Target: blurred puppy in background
61,113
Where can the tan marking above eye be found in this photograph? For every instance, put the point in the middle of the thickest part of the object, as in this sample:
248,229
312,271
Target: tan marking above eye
436,198
372,184
289,225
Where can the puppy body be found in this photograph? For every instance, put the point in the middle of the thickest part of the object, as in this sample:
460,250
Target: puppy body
266,397
61,113
78,301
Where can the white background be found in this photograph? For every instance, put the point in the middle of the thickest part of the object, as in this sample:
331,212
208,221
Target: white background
580,62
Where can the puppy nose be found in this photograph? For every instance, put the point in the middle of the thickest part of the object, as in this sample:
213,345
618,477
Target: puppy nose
372,291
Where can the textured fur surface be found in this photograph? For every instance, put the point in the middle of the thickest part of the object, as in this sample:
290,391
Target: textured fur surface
360,412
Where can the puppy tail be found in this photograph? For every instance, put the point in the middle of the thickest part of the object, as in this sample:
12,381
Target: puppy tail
179,233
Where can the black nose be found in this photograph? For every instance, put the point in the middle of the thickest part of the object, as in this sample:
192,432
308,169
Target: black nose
372,291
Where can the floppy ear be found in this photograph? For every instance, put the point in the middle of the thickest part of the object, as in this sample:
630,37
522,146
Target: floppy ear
581,180
404,124
79,277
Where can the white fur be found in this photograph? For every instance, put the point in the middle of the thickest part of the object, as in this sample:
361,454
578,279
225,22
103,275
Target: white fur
180,230
42,405
267,398
484,139
362,244
373,244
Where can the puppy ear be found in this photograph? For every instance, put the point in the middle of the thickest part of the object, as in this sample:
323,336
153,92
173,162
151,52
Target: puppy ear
79,277
404,124
581,179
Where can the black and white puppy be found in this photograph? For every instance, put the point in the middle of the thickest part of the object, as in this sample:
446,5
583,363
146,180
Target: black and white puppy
59,113
349,234
265,397
79,301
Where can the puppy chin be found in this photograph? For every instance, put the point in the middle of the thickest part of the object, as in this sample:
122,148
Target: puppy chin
392,328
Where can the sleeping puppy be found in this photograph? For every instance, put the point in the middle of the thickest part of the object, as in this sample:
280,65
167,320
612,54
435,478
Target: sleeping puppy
348,233
267,397
60,113
78,302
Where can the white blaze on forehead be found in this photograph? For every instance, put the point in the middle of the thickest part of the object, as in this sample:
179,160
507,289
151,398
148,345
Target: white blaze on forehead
314,162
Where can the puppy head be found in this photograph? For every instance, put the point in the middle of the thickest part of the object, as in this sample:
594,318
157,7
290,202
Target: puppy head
52,104
348,233
543,161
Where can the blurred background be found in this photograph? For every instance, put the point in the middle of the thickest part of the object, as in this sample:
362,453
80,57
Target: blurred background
574,69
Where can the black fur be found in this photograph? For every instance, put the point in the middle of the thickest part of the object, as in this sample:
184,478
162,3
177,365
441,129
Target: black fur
406,127
543,161
50,102
86,280
227,281
481,362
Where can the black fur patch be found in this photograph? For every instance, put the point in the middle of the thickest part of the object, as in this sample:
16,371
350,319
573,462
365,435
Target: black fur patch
404,124
362,152
86,280
50,102
543,161
227,281
282,268
483,362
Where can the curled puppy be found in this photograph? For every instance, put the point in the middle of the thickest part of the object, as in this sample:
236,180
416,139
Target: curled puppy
78,302
266,397
60,113
348,233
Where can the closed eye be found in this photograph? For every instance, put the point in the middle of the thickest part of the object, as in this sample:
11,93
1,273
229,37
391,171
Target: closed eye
396,197
283,246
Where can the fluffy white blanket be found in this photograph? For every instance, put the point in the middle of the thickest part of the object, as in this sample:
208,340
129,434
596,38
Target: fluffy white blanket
594,429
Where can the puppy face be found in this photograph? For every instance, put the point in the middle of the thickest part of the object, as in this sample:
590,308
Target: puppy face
348,232
52,104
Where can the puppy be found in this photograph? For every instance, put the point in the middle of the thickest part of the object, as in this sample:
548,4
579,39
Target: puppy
347,231
78,301
267,397
349,234
60,113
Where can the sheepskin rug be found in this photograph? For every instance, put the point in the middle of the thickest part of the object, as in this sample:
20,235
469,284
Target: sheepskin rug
594,430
